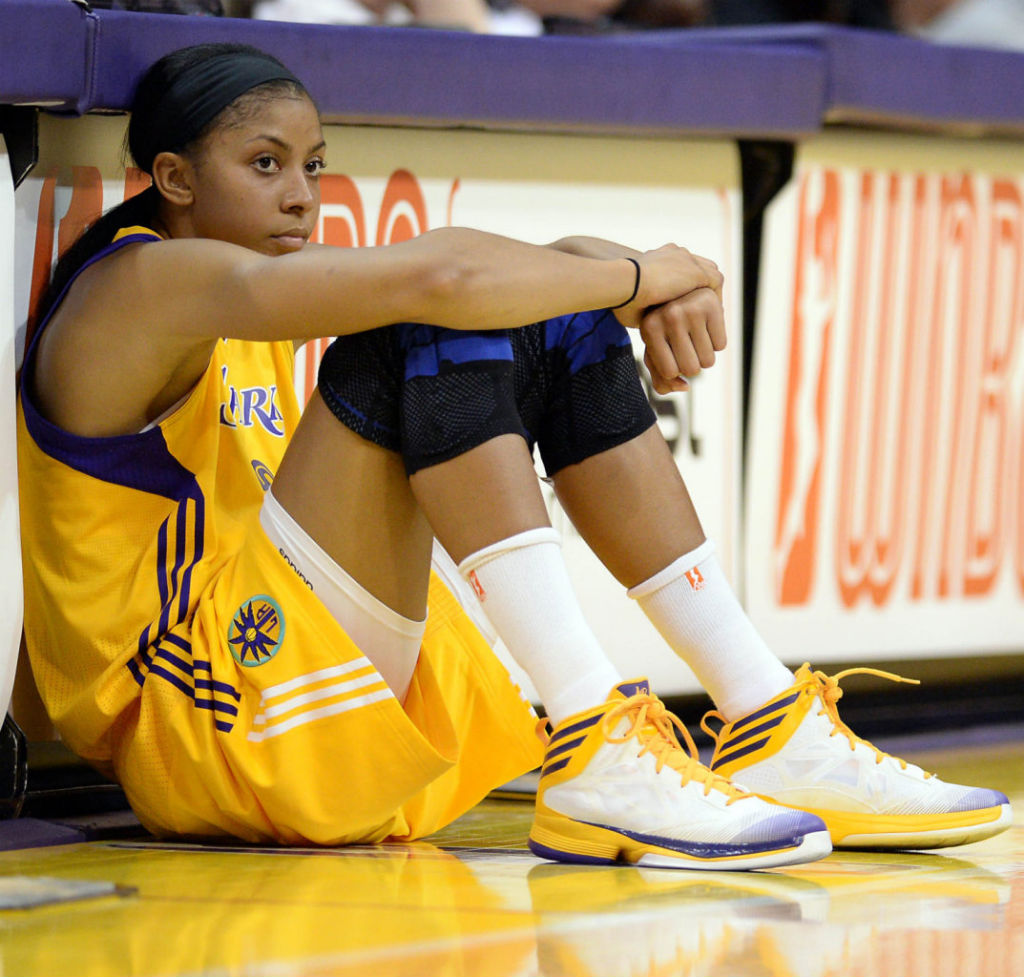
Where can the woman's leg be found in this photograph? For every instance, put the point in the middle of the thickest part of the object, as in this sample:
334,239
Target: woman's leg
353,497
488,512
783,737
615,782
632,507
341,512
350,494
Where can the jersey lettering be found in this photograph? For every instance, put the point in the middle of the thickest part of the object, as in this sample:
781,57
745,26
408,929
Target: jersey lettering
248,406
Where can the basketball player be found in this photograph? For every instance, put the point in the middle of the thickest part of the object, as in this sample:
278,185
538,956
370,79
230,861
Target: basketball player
230,610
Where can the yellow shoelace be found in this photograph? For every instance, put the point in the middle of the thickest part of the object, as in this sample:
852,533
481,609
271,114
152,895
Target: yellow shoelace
828,687
652,724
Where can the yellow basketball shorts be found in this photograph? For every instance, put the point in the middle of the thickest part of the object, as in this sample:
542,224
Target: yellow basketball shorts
262,720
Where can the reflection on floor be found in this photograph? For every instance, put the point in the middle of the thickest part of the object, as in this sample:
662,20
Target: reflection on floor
473,901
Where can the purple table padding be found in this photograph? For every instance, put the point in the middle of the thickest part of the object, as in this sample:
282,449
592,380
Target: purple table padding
445,78
769,81
881,77
44,52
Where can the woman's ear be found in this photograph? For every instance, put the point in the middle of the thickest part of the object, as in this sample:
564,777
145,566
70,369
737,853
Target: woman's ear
172,176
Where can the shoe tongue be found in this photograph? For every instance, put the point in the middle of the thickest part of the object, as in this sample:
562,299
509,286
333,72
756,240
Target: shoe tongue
628,689
804,672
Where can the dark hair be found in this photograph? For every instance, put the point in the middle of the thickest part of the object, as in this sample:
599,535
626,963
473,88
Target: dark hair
179,100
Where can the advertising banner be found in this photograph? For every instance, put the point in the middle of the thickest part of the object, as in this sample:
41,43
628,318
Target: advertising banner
885,488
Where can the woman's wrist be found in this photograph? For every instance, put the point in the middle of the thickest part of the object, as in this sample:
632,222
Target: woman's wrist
636,283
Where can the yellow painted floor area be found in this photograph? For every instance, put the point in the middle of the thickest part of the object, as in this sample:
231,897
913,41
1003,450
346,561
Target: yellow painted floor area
472,901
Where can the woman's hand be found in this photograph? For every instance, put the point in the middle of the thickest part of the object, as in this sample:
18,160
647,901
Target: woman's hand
682,337
678,310
666,274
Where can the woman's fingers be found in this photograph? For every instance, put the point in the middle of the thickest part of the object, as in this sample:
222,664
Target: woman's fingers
682,336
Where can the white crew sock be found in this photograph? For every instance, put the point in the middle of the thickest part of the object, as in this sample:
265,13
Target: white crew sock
691,603
524,588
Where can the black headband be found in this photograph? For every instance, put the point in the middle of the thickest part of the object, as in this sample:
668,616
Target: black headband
199,94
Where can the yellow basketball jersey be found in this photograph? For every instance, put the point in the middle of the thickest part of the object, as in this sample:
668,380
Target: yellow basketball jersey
176,649
127,532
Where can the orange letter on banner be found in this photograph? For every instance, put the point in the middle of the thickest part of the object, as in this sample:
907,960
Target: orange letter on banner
42,258
1004,318
403,211
346,229
135,181
86,205
872,478
959,313
925,317
814,302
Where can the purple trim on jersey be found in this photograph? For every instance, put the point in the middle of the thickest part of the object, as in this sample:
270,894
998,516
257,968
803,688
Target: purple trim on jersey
138,461
135,461
175,680
178,641
103,252
178,584
161,563
208,685
148,657
215,706
133,667
174,660
205,683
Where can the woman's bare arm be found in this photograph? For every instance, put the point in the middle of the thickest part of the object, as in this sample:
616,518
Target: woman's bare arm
453,277
150,314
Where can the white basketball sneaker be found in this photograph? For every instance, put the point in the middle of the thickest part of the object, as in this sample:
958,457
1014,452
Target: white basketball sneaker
797,751
617,787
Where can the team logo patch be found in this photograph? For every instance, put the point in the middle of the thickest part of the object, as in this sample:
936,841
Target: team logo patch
256,633
478,588
695,579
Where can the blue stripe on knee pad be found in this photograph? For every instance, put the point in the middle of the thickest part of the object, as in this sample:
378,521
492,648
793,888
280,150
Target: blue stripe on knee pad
428,347
585,337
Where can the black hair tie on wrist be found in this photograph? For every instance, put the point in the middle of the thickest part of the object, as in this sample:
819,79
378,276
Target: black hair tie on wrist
636,285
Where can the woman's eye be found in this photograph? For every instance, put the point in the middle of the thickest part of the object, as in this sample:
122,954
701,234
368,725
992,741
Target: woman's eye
265,163
315,167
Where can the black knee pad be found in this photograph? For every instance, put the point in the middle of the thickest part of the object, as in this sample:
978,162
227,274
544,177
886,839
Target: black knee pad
431,394
569,384
455,410
592,409
360,382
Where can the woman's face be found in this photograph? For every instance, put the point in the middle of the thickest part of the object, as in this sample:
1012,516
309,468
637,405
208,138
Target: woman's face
256,181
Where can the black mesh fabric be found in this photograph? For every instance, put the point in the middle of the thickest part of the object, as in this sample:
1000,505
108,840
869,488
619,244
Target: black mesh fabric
432,419
360,380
